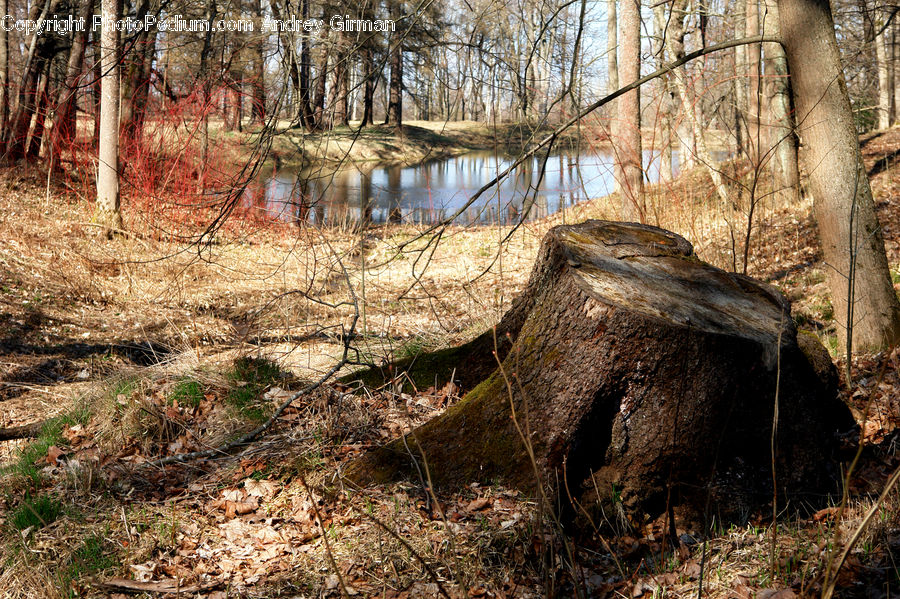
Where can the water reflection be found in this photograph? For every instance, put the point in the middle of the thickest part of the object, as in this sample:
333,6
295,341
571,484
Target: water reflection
430,192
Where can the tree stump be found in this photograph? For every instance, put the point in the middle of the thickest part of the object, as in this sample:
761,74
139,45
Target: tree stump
637,371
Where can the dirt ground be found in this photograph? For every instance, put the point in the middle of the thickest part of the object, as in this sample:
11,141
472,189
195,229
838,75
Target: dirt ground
132,343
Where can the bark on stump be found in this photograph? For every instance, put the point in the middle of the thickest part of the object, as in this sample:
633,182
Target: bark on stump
636,369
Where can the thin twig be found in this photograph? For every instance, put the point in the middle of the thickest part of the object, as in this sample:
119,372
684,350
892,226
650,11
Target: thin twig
328,552
829,589
407,546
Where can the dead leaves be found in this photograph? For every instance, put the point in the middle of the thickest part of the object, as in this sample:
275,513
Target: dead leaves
478,504
54,455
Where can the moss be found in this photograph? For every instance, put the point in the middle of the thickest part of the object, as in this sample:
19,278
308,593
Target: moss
187,392
817,356
474,440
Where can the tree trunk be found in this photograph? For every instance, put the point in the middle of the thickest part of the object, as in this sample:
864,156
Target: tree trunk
288,44
96,86
64,127
142,88
895,54
319,93
369,87
20,123
741,106
33,146
108,211
612,319
205,83
629,156
852,243
40,50
233,114
866,55
754,51
258,94
612,74
239,100
131,73
884,89
784,166
612,43
305,111
4,72
675,43
339,87
665,109
395,102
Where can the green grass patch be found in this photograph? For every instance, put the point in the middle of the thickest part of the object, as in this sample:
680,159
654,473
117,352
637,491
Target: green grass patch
91,557
249,377
37,512
187,392
51,434
124,387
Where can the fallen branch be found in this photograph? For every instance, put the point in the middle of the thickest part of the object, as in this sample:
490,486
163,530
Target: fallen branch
168,586
26,431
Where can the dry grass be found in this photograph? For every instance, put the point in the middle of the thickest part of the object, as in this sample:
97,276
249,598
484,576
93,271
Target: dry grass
63,285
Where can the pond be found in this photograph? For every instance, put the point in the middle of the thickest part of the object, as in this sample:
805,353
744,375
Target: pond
433,191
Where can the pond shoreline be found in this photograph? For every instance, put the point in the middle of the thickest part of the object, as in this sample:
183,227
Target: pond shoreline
436,189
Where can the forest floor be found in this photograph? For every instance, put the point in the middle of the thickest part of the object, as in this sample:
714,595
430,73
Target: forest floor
144,347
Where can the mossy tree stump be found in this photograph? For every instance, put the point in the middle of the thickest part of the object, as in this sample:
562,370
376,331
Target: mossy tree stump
636,369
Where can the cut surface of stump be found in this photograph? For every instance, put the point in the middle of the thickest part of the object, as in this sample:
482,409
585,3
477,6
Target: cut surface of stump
631,368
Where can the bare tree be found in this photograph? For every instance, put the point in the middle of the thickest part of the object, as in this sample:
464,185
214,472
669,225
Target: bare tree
395,102
852,242
675,46
883,66
784,167
611,47
741,102
203,80
4,71
629,163
754,97
257,62
64,125
665,111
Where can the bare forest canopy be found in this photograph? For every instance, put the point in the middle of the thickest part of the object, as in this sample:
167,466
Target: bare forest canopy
186,67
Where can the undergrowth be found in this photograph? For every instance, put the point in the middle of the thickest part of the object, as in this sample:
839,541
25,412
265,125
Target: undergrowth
249,377
186,391
25,466
36,512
